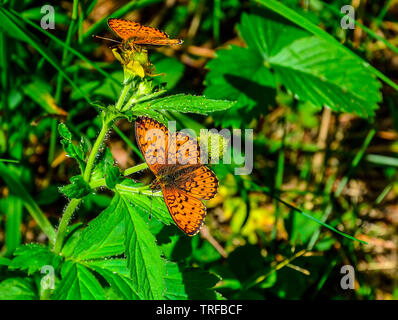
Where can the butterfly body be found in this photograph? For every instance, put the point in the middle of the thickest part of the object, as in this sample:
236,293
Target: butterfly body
175,161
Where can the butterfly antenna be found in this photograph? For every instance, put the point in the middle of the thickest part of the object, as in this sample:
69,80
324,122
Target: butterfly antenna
108,39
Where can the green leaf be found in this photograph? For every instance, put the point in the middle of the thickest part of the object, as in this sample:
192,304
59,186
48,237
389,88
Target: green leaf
77,189
149,205
13,26
132,113
4,261
78,283
303,22
33,257
39,92
311,68
73,151
111,172
116,273
175,288
64,131
267,33
199,284
112,176
143,255
13,208
104,158
103,236
189,283
18,289
326,76
108,88
186,103
71,238
252,85
105,167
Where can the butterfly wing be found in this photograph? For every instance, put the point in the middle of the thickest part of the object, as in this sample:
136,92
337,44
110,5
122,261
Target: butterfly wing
200,182
152,138
191,176
157,41
183,150
187,211
125,29
140,34
176,159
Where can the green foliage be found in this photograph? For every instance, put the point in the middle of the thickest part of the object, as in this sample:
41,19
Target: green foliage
116,273
190,283
101,238
332,78
143,255
116,238
280,54
106,167
32,258
73,151
78,283
17,289
145,274
155,205
13,206
170,68
77,189
252,86
185,103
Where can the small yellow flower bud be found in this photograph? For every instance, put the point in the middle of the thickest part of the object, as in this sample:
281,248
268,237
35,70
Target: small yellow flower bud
135,62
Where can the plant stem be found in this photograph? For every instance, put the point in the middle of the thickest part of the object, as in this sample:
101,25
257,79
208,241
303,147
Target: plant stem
106,124
135,169
101,182
70,209
125,91
94,151
135,100
75,202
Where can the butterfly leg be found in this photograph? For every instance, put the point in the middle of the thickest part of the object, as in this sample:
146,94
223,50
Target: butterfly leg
155,185
150,211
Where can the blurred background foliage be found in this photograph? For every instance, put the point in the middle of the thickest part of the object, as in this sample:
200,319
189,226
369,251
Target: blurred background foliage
337,164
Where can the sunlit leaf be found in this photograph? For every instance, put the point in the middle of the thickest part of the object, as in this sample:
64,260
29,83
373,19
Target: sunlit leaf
103,236
116,273
186,103
18,289
78,283
143,255
33,257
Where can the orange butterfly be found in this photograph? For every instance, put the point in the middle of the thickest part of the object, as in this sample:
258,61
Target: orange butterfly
175,161
134,33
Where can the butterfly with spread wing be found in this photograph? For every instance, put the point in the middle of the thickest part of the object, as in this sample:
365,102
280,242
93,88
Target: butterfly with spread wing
175,161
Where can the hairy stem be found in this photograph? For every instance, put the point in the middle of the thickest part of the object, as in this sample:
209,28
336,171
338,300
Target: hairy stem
101,182
75,202
70,209
125,91
106,124
94,152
